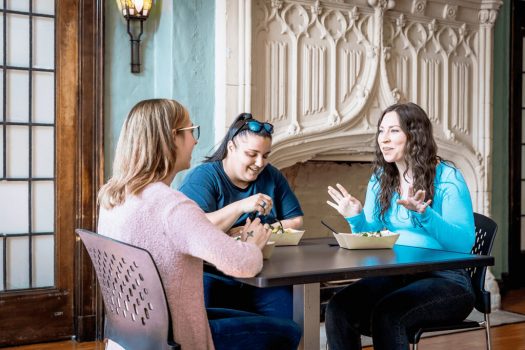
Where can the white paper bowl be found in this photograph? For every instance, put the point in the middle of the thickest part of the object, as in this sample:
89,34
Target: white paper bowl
358,241
268,250
288,237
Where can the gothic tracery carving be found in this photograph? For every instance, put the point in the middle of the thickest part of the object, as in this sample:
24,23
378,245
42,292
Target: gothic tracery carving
326,68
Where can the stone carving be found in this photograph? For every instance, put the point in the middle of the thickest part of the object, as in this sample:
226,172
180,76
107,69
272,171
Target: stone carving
277,4
330,67
488,16
382,4
450,11
418,7
325,68
316,8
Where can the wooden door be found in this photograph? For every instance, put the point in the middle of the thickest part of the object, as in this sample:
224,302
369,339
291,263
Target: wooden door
52,160
516,277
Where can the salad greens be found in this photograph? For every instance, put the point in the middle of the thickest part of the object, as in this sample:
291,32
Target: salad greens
370,234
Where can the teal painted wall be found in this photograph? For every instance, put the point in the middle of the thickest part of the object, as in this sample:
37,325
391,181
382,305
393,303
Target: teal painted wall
178,62
500,159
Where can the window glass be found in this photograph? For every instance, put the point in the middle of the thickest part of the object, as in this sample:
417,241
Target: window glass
43,97
44,7
17,84
17,263
43,42
17,37
14,214
43,152
17,5
43,209
17,151
43,261
27,139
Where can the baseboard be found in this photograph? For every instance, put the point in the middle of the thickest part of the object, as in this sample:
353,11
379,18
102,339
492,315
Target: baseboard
86,329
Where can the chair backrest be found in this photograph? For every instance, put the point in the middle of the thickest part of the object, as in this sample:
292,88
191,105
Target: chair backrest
486,230
137,314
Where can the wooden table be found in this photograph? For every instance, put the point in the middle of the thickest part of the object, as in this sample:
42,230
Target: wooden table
314,261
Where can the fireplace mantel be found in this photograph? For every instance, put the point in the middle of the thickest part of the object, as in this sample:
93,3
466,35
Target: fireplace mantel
322,72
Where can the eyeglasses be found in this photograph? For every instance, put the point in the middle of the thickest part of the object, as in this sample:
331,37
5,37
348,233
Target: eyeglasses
195,131
254,126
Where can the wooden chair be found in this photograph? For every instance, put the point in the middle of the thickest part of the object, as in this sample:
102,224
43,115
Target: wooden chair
136,310
485,233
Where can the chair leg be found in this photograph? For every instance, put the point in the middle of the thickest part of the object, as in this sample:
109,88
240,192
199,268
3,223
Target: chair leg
414,346
487,331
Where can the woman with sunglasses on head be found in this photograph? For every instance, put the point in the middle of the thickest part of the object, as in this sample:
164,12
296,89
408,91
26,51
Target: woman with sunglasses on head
138,206
425,199
237,182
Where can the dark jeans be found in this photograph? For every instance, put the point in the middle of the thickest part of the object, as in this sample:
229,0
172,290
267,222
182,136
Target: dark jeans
234,329
386,307
221,291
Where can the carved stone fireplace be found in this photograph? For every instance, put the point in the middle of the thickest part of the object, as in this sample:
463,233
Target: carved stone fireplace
322,72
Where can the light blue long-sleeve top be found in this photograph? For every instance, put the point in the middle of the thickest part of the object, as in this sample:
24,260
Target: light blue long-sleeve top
447,224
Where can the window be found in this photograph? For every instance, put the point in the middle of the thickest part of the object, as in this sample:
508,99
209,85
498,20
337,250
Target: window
27,141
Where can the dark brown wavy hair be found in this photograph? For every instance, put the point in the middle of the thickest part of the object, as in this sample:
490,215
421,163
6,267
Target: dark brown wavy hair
420,156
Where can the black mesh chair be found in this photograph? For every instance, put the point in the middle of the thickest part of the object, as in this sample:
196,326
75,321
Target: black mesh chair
485,233
136,310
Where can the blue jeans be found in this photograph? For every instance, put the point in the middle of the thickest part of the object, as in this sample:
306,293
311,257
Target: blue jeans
386,307
234,329
221,291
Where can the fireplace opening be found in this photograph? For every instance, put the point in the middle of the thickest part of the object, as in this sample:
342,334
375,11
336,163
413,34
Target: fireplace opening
310,181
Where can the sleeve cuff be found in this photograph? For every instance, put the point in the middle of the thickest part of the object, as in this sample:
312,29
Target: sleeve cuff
424,217
356,219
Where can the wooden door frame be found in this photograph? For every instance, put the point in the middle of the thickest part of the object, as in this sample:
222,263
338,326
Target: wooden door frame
89,173
515,277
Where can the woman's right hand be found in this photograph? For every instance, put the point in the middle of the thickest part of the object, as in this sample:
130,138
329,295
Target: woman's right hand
259,202
345,204
256,233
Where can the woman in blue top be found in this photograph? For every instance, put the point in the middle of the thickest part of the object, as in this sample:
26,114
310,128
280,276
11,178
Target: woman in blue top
234,183
424,198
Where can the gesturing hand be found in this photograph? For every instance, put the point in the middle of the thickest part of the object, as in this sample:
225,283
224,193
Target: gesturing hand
345,204
415,202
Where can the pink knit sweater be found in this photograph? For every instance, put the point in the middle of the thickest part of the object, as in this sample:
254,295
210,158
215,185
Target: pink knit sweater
179,237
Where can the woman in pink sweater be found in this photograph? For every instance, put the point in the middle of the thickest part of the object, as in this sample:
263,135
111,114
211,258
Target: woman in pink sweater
139,207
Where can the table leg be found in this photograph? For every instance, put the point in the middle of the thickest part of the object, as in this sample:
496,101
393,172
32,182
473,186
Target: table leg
307,314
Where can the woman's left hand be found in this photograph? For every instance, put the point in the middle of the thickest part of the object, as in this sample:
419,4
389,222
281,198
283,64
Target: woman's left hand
415,202
236,231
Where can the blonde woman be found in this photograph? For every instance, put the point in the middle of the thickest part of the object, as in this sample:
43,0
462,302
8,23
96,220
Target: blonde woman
139,207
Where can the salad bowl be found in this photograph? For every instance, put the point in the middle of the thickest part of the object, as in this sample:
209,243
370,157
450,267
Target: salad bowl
367,240
287,236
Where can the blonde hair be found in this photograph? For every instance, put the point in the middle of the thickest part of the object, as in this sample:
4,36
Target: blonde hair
145,150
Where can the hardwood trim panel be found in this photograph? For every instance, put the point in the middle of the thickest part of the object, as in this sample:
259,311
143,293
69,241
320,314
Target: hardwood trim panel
90,165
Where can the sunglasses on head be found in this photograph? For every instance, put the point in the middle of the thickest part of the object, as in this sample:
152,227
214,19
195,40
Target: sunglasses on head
254,125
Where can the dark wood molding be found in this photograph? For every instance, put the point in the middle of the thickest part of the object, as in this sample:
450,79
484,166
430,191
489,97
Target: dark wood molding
35,316
515,277
90,164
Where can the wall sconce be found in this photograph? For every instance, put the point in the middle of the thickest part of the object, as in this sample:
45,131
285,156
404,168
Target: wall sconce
135,12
